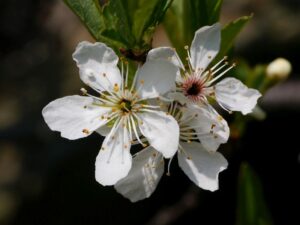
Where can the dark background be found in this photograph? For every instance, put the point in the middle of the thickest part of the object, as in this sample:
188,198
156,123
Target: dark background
45,179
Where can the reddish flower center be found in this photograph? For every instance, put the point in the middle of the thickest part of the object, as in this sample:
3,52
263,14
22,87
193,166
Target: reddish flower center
192,88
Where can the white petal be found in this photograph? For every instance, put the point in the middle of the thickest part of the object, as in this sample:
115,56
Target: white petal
205,46
161,130
212,129
144,176
179,97
97,65
155,78
166,54
202,167
74,116
114,159
235,96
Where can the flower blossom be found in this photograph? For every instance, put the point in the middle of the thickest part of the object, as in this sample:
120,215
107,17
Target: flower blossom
120,112
198,82
200,165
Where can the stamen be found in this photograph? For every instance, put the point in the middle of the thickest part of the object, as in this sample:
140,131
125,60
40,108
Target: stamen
169,166
218,63
220,75
126,77
136,133
134,81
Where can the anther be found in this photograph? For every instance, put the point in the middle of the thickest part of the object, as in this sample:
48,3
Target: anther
142,81
85,131
186,47
83,91
116,87
104,74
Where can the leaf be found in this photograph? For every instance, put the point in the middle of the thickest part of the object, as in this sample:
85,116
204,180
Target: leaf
147,16
229,33
89,13
117,23
251,206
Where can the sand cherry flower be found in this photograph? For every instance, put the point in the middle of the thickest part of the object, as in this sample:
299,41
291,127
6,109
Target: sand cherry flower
198,81
119,111
199,129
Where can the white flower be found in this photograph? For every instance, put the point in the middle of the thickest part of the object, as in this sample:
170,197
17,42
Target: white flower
121,113
202,166
198,82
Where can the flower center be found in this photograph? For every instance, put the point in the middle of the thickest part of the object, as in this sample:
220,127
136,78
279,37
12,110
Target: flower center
193,87
126,105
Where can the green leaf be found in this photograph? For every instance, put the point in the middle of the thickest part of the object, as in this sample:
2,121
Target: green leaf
117,23
89,13
229,33
125,25
251,206
147,16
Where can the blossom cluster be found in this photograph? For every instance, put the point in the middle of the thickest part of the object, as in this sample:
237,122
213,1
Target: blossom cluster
167,108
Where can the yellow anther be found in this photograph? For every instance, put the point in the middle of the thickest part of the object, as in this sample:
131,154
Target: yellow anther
154,154
213,126
102,117
209,56
220,118
116,87
186,47
189,158
142,81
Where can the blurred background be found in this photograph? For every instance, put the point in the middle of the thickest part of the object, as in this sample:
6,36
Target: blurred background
45,179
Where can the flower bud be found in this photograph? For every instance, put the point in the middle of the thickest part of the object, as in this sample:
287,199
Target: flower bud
280,68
